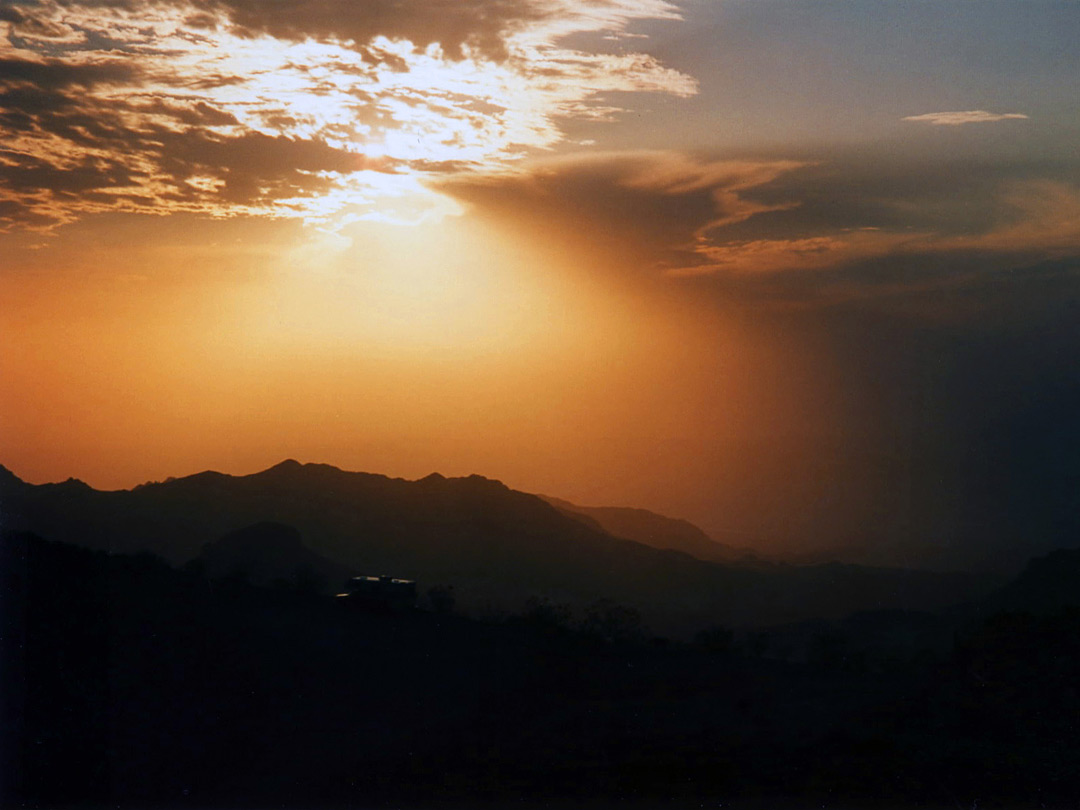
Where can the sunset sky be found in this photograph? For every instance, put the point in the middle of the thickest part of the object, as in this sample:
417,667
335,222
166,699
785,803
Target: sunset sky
805,272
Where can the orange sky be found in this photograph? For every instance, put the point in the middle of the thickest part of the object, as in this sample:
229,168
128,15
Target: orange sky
764,266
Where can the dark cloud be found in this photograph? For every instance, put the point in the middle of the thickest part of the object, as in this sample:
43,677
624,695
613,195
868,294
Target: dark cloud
23,213
141,151
20,106
255,167
197,114
648,205
795,234
58,75
844,191
480,24
30,174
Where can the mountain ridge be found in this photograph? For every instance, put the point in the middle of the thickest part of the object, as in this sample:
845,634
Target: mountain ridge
654,529
497,545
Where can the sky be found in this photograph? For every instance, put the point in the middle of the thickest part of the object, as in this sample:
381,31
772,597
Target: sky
805,272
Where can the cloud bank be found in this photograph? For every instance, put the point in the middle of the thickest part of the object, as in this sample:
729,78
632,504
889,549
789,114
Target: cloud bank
301,108
790,231
655,209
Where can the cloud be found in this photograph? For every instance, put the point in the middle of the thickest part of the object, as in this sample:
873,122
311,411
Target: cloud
791,233
957,118
460,27
141,98
68,151
1034,221
491,28
773,256
1044,217
654,208
667,213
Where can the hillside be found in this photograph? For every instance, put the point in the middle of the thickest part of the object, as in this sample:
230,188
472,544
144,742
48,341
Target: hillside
497,546
1047,584
127,683
652,529
270,554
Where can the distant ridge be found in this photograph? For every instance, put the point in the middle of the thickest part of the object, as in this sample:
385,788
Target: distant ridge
496,545
1047,584
652,529
271,554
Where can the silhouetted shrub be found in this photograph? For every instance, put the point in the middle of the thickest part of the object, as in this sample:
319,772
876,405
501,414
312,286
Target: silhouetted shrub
757,643
307,582
441,598
542,615
609,621
715,639
829,651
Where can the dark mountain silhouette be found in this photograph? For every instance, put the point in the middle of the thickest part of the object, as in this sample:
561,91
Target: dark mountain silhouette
1046,585
270,554
652,529
497,546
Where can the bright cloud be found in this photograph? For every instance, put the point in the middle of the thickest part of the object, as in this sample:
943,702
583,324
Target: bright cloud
957,118
301,108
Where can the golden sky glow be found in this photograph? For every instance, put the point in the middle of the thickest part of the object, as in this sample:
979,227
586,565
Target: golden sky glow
728,260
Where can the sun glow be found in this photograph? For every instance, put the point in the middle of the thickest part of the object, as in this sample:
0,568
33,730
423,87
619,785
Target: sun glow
452,286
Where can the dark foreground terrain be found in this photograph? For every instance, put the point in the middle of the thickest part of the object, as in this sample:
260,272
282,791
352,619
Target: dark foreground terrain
128,683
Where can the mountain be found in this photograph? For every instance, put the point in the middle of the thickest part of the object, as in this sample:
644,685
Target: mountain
129,684
497,546
651,529
1046,585
268,554
1047,591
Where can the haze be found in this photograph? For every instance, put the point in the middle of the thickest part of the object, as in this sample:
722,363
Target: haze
804,273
